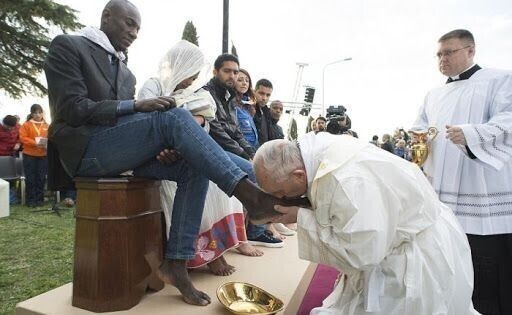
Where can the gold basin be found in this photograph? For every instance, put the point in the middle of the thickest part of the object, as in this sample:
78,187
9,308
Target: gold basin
244,298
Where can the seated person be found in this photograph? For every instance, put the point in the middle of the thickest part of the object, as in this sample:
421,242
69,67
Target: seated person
222,224
98,129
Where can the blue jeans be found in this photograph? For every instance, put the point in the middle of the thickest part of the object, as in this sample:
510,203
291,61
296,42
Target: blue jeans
255,230
36,168
13,198
135,141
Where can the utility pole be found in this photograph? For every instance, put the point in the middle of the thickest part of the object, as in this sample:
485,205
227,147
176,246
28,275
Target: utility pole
298,80
323,79
225,27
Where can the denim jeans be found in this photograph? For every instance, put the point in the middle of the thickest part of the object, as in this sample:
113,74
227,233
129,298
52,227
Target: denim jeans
36,168
135,141
255,230
13,198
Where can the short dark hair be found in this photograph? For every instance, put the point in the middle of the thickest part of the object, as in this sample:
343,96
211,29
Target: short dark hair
219,62
375,138
265,83
276,102
321,118
460,34
10,121
34,109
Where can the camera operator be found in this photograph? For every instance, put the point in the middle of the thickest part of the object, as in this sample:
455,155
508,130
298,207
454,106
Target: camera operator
320,124
338,122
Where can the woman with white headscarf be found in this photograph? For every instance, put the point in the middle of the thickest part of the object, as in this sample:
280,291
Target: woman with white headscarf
222,225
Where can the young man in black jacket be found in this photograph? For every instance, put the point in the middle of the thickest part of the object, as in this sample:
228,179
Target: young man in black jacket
262,118
224,128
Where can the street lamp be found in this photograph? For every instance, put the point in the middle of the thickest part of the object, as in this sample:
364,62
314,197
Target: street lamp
323,79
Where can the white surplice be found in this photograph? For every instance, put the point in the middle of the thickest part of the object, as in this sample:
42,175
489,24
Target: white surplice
479,191
377,219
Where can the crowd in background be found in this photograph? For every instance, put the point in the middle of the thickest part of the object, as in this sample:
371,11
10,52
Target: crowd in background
28,141
399,143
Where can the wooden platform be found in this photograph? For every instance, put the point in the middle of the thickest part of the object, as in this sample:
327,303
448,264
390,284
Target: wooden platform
279,271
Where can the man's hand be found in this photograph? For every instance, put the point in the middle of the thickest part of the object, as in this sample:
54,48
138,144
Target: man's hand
161,103
289,214
168,156
455,135
199,119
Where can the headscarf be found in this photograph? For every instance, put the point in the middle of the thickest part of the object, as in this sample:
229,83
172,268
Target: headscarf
181,62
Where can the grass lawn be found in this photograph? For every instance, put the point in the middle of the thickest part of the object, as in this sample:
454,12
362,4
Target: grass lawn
36,253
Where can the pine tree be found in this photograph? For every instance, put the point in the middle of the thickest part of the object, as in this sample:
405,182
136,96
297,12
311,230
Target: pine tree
190,33
233,50
292,130
24,42
308,127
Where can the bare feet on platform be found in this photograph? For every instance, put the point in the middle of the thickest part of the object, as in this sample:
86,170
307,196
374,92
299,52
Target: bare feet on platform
220,267
174,272
249,250
260,205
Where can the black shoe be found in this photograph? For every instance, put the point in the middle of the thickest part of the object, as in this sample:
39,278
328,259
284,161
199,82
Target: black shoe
266,239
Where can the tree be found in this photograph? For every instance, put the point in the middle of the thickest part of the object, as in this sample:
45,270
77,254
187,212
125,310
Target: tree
292,130
233,50
190,33
24,42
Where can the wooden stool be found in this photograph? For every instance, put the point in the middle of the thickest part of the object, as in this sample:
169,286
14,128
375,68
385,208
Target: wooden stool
118,224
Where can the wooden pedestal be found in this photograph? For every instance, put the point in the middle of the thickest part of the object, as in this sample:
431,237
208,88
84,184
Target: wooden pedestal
118,223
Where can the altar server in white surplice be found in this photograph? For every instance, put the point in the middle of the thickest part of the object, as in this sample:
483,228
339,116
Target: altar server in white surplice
375,218
470,163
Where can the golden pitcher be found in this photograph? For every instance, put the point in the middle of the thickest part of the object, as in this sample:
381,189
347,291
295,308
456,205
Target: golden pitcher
420,142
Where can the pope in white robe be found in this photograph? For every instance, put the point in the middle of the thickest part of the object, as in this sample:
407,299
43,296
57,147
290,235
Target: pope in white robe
375,218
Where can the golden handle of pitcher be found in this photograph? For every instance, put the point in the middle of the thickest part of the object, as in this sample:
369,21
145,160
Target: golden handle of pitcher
432,131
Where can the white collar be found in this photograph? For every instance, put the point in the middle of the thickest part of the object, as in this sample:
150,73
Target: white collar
312,148
456,77
100,38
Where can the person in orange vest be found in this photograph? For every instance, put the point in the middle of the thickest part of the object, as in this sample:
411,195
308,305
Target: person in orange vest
34,137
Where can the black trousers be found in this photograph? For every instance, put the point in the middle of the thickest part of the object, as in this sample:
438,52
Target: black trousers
35,168
492,263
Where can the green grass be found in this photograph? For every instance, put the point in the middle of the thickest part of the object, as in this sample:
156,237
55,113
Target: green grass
36,254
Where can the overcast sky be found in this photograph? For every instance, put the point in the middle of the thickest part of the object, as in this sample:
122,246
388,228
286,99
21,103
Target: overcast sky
392,44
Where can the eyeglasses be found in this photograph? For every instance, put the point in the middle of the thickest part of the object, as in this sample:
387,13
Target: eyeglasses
448,53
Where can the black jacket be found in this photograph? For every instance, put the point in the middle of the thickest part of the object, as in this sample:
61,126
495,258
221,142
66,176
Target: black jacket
388,147
83,93
276,132
266,126
224,128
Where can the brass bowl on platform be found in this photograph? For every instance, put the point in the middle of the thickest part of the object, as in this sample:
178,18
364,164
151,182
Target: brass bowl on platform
244,298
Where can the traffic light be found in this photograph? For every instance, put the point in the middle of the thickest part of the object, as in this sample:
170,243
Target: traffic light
310,95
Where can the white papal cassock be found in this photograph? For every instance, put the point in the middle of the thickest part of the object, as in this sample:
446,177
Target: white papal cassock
377,219
479,191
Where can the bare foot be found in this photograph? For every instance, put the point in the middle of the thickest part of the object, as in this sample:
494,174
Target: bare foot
249,250
174,272
276,234
226,264
260,205
220,267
